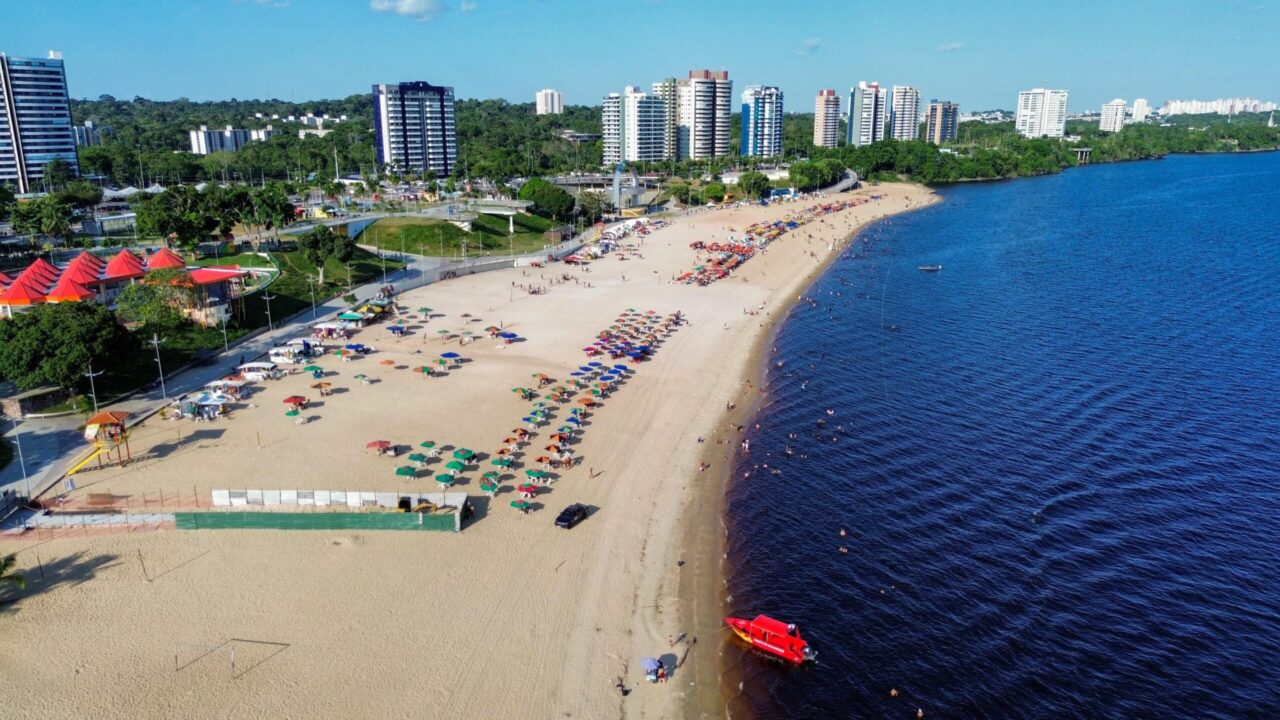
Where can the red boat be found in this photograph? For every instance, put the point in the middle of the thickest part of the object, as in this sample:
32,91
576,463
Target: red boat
773,637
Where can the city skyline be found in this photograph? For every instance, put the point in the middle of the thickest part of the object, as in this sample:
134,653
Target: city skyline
945,51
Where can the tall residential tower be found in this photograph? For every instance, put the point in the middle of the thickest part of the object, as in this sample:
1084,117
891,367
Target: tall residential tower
415,129
868,113
35,120
761,121
1112,117
634,127
904,113
1041,113
941,121
549,102
704,105
826,119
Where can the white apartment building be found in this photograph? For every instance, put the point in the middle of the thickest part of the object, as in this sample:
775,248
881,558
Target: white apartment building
1141,110
1041,113
549,102
868,114
761,134
704,105
634,127
904,113
1112,117
1221,106
668,91
229,139
415,127
826,119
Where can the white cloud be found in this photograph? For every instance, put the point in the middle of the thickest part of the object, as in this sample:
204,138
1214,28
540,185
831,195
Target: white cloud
950,46
466,7
420,9
809,46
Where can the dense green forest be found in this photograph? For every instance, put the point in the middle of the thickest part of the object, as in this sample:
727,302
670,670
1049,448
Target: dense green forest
149,140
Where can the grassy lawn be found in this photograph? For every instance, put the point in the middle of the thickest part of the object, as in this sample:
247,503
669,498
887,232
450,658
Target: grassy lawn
488,236
242,259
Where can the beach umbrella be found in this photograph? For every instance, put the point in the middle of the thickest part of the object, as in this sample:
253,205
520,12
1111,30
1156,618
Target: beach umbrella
595,364
455,466
502,462
490,475
520,390
424,309
321,386
312,368
559,437
542,459
574,420
520,505
503,452
650,665
422,369
418,458
442,333
565,429
489,488
406,471
293,413
377,445
527,488
539,404
450,355
587,401
388,362
428,444
295,400
341,352
509,440
361,376
576,373
535,474
467,333
492,329
508,335
463,453
621,368
445,480
442,363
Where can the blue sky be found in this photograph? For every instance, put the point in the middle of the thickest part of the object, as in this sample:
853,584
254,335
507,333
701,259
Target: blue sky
976,53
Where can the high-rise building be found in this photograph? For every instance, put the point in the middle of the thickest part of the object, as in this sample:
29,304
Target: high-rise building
1141,110
634,127
550,102
1041,113
35,120
761,121
229,139
1112,117
89,134
1221,106
868,113
904,113
704,106
941,121
415,127
666,90
611,129
826,119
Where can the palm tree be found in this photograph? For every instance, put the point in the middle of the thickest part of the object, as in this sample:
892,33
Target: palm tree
7,576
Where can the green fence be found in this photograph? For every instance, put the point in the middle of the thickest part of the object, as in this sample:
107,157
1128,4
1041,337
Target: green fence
446,522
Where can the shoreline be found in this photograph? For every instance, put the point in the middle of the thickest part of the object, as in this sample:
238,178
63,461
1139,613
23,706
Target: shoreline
703,590
440,615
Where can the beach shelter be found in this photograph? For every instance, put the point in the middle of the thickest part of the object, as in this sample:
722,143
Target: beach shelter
445,480
378,445
520,505
295,400
542,459
68,290
428,444
535,474
450,355
527,488
417,458
313,368
489,488
455,466
463,453
502,462
293,413
406,471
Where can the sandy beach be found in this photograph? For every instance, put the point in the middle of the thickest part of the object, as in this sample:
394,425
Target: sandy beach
513,617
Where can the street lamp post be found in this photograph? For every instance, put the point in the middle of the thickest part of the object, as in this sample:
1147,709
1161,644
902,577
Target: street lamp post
269,297
155,343
311,280
92,391
225,345
22,462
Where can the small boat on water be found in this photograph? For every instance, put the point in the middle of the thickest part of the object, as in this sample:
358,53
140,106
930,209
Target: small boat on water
930,268
774,637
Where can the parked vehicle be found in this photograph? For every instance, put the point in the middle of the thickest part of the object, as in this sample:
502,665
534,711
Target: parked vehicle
571,516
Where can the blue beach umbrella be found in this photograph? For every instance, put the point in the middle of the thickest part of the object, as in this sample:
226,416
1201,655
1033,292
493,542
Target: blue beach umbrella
450,356
622,368
508,335
577,374
596,364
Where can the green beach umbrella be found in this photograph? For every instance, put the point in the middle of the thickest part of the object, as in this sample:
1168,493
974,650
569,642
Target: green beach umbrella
292,413
535,473
455,465
417,457
489,487
502,462
312,368
445,480
427,444
490,475
406,471
520,504
424,309
361,376
442,332
463,453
